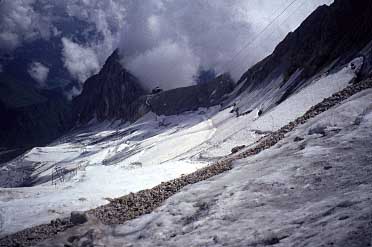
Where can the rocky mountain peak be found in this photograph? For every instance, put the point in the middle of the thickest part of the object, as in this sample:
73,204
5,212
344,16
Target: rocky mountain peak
114,93
112,63
109,94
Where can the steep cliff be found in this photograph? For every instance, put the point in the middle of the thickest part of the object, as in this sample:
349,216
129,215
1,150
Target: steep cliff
30,117
115,93
109,94
328,39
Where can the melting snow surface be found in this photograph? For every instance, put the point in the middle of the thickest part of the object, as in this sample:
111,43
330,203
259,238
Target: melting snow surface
316,192
105,164
112,160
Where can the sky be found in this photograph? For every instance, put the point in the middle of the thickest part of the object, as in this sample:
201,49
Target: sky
162,42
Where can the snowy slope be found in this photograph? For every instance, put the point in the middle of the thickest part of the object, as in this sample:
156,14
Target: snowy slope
113,159
248,128
315,192
110,163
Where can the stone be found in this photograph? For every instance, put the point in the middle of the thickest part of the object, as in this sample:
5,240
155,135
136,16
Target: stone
319,130
298,139
78,218
237,149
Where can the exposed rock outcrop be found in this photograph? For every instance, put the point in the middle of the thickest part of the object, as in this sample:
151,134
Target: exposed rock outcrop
30,116
117,94
330,37
179,100
109,94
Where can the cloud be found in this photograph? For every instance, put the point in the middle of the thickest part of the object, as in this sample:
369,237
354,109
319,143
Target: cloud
39,73
161,66
208,34
107,18
103,22
72,93
19,22
80,61
162,42
205,33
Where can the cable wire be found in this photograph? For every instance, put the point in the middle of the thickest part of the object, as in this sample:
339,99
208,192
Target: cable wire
231,61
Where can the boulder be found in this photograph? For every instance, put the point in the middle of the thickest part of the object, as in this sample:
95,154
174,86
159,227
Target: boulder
78,218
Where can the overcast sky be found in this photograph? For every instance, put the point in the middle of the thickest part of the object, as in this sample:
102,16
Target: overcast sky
163,42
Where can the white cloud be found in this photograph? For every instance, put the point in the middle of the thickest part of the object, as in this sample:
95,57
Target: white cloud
39,73
19,22
107,18
207,32
9,41
72,93
212,31
80,61
161,66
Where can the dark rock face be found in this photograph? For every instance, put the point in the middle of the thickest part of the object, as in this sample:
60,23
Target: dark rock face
116,94
338,32
30,117
179,100
36,124
78,218
237,149
109,94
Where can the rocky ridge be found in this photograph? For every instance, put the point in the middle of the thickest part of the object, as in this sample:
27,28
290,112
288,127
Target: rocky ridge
330,37
114,93
190,98
108,95
30,116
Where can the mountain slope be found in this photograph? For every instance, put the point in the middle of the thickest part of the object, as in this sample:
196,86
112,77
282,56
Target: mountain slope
116,94
109,94
312,192
295,178
329,38
179,100
30,116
